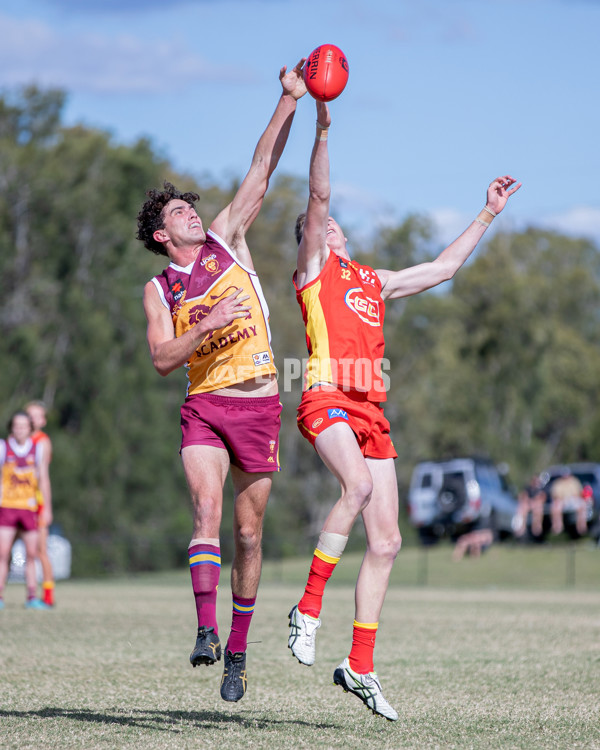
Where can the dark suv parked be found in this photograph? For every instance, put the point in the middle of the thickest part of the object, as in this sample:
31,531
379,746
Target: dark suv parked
450,498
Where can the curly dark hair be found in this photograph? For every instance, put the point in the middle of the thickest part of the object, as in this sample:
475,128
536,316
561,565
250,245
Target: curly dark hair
299,228
150,217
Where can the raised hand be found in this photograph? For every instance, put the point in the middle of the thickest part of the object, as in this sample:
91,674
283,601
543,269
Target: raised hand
500,191
293,82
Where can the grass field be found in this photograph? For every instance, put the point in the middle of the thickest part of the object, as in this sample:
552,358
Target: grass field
500,652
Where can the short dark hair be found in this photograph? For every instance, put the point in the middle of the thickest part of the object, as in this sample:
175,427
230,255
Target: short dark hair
150,217
19,413
299,229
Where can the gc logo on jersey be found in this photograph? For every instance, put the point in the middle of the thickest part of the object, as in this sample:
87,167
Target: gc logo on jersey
366,308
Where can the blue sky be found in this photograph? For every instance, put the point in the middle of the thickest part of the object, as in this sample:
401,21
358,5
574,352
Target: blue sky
443,95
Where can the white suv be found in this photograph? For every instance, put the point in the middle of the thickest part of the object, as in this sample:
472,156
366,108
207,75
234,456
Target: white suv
449,498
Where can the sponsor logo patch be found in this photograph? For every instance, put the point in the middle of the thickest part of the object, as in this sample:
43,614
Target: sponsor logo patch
261,358
177,289
333,413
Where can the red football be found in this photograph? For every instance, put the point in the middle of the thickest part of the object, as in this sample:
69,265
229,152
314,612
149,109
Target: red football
326,72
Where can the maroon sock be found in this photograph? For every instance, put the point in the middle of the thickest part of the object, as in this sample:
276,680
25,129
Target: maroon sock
242,612
205,568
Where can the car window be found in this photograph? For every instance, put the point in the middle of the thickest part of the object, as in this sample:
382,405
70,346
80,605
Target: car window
426,481
487,477
454,477
587,478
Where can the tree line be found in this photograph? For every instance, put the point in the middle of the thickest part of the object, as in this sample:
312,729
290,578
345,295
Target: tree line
504,361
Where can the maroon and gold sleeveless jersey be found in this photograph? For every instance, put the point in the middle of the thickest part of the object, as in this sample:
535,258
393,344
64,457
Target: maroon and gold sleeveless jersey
343,314
19,488
230,355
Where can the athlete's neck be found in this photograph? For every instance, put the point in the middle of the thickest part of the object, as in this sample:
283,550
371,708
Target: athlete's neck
183,256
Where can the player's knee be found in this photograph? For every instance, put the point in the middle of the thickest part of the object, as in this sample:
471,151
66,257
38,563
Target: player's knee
388,546
248,538
358,493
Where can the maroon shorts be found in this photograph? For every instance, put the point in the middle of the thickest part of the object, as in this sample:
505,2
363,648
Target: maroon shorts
323,406
247,428
19,518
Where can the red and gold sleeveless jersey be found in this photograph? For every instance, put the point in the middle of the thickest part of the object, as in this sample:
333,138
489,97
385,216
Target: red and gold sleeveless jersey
38,436
343,313
230,355
19,488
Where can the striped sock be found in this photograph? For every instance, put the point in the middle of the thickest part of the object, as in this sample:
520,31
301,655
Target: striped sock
205,568
321,568
242,611
363,645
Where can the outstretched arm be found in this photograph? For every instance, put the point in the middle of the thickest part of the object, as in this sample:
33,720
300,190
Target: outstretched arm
312,250
417,278
233,222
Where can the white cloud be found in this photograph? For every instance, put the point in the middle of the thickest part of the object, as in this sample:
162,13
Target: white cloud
581,221
33,52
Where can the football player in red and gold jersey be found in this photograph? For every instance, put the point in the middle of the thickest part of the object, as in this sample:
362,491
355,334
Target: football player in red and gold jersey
37,413
207,311
341,414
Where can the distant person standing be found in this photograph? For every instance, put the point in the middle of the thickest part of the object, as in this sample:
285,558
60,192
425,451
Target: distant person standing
24,475
37,412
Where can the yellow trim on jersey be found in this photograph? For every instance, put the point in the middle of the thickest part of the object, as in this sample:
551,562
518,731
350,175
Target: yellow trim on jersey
326,558
319,363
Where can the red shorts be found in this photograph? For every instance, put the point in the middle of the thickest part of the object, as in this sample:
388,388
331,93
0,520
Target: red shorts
19,518
323,406
247,428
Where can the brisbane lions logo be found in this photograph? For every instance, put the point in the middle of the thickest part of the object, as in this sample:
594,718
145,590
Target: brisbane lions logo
366,308
211,264
197,312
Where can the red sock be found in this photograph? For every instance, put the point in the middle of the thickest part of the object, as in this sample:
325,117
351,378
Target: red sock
363,645
205,568
48,593
242,612
320,572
